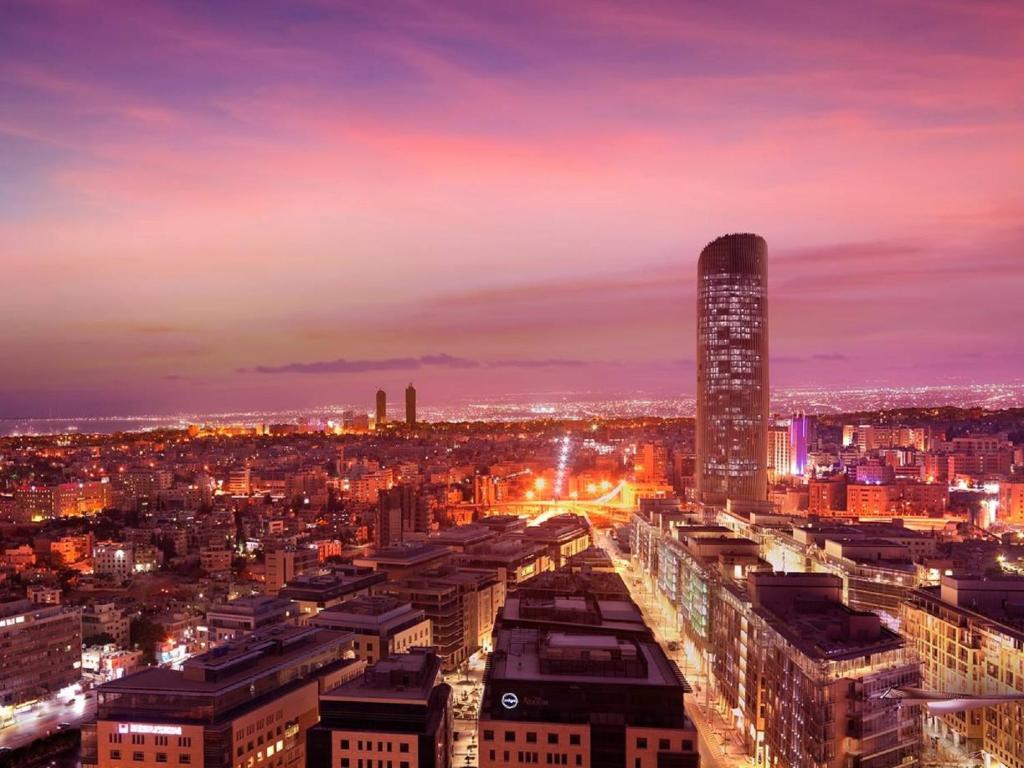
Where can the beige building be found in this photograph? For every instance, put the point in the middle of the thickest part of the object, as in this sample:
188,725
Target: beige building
249,703
40,651
969,633
382,625
398,714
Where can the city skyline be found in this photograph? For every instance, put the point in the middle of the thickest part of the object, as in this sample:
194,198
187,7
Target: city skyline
209,210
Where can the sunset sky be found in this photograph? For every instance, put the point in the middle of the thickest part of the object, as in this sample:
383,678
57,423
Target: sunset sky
250,204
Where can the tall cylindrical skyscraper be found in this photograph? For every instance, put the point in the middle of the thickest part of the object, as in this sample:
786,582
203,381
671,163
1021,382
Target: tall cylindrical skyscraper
382,408
732,370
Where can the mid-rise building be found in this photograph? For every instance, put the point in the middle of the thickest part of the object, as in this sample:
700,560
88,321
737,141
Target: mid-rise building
803,675
563,536
969,634
382,625
105,618
284,561
250,702
40,651
570,683
398,714
114,559
1011,501
244,615
315,592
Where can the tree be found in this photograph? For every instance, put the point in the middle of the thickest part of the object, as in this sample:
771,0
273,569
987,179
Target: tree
145,634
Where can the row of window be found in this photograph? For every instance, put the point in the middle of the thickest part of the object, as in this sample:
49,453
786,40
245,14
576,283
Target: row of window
382,746
551,758
531,737
260,740
140,739
360,763
663,744
161,757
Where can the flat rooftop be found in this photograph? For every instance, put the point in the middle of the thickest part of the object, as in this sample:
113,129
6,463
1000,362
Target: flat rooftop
367,613
404,677
407,555
326,586
565,657
236,663
827,630
248,606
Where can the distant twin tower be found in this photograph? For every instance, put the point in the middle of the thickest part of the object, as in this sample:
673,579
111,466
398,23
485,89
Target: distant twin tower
410,407
732,370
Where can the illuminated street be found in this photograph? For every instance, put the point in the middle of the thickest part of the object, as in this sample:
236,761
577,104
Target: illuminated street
46,716
467,689
718,746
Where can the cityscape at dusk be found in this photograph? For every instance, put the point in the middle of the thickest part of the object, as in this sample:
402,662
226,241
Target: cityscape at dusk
495,385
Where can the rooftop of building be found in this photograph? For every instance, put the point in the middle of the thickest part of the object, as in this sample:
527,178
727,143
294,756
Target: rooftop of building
237,663
366,611
559,527
252,605
825,629
582,612
1005,614
533,654
464,534
503,522
407,554
326,586
20,606
593,556
405,677
599,584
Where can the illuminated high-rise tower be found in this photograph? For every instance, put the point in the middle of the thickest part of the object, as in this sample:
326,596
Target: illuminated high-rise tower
732,370
410,405
382,408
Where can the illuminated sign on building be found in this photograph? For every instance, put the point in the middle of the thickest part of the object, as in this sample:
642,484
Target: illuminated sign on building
159,730
509,700
12,621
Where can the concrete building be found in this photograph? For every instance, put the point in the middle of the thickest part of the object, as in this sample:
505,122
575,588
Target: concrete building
381,412
397,714
732,370
315,592
572,682
382,625
1011,501
250,702
404,561
802,675
243,616
969,634
284,561
514,561
105,618
40,594
114,559
563,536
40,651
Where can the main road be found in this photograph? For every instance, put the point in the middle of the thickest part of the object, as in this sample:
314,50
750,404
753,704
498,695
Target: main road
717,750
46,716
